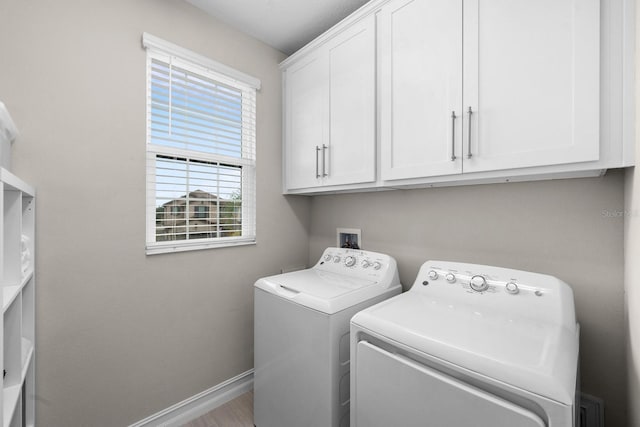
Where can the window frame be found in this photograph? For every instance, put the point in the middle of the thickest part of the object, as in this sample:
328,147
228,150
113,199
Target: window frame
162,50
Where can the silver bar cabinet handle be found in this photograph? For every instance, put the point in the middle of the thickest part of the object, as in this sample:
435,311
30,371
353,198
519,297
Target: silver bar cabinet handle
324,169
469,152
453,136
317,153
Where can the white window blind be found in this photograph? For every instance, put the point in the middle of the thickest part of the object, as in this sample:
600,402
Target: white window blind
201,140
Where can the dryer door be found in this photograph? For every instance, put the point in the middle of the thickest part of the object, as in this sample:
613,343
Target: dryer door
392,390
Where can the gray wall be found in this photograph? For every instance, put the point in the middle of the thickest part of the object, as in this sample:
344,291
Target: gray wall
632,262
571,229
121,335
632,291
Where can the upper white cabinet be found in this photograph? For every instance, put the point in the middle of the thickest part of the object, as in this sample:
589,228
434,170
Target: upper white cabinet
352,112
473,86
305,121
420,88
330,111
410,93
532,83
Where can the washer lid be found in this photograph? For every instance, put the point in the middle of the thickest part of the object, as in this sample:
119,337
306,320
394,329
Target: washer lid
531,355
321,290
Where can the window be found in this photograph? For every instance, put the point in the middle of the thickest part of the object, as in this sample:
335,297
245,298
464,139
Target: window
200,151
177,210
201,211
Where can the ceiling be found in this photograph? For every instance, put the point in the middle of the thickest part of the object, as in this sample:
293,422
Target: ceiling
286,25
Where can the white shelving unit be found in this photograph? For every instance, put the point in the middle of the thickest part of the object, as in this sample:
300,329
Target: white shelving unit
18,300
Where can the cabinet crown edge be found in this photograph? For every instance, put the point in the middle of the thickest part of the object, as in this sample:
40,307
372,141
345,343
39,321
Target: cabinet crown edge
357,15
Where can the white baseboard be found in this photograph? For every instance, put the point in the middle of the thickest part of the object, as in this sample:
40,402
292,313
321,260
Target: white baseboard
200,404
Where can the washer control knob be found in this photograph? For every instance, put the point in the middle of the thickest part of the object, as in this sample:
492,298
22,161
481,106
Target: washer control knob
365,264
512,288
478,283
350,261
433,275
336,259
377,265
451,278
327,257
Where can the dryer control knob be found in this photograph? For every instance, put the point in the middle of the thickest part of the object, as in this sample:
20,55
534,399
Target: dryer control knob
451,278
327,257
350,261
478,283
512,288
377,265
336,259
433,275
365,264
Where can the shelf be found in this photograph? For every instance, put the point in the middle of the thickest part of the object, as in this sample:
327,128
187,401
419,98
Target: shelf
28,358
11,396
15,183
9,293
27,351
28,310
17,279
28,394
11,235
12,362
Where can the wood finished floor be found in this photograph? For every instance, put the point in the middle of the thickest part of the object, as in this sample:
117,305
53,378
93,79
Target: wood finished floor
235,413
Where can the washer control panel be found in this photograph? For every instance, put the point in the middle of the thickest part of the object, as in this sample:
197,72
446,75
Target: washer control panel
355,262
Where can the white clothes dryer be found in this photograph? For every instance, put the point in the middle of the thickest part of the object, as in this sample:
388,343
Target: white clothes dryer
301,351
467,345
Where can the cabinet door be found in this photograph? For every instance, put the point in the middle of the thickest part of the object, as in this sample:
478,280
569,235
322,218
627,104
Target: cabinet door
421,86
531,79
306,122
350,156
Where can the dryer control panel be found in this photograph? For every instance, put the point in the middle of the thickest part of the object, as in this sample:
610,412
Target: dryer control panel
492,290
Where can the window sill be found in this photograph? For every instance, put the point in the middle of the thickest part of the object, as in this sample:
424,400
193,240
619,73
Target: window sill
170,247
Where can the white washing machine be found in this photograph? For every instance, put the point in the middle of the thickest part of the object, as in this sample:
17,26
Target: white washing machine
467,345
301,376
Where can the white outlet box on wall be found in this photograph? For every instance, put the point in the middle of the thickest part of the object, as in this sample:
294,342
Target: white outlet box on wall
349,238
